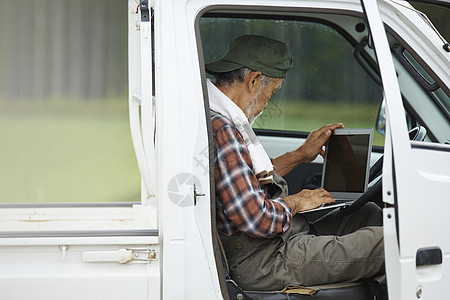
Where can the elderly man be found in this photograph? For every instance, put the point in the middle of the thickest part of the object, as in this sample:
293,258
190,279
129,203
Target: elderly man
267,244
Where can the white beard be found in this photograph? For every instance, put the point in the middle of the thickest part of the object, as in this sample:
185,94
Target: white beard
249,109
252,120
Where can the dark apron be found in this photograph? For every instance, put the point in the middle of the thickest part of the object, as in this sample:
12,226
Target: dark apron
251,260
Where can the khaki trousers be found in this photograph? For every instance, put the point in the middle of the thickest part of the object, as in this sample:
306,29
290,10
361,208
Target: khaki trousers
335,248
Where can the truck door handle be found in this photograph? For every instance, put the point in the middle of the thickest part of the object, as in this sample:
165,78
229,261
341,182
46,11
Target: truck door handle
428,256
122,256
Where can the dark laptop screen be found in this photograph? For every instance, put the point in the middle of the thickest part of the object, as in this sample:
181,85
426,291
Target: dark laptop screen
346,163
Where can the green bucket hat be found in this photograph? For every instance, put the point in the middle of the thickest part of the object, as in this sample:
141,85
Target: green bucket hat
258,53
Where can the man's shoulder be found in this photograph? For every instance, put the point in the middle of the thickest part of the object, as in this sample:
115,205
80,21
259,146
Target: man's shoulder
220,122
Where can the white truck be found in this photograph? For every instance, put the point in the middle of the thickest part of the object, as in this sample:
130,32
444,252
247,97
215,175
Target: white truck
164,246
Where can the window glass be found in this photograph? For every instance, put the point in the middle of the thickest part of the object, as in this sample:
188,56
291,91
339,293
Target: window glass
326,84
418,67
63,103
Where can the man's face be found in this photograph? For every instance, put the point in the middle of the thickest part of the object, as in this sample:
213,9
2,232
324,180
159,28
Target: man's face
259,102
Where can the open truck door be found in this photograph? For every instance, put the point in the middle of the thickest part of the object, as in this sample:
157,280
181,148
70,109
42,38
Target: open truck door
416,178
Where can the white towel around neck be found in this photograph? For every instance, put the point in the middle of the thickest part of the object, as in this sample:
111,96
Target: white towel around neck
220,103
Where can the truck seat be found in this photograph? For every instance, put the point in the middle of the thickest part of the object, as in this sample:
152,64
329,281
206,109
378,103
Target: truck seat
338,291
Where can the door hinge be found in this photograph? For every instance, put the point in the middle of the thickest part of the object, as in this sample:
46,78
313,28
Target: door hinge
196,194
144,254
123,256
145,11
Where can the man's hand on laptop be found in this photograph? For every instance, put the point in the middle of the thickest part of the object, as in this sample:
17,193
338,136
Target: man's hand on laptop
307,152
313,145
308,199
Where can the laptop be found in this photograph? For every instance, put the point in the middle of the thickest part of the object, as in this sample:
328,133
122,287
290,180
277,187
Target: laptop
346,165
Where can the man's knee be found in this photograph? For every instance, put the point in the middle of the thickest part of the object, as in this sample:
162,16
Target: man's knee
373,214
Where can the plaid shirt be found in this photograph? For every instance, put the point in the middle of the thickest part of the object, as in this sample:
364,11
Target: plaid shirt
242,204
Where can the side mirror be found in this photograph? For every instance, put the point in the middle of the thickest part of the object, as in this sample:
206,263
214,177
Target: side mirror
381,118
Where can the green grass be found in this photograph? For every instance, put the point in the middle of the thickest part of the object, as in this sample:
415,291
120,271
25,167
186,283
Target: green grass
51,153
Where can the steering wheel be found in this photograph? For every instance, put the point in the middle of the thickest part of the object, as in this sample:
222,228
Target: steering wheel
374,193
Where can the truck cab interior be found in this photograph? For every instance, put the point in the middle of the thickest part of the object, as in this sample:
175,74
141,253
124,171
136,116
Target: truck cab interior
335,78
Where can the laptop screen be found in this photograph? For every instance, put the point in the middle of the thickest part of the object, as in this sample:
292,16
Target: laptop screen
346,162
